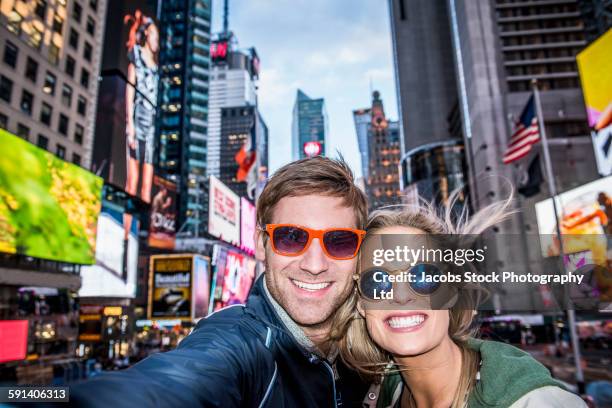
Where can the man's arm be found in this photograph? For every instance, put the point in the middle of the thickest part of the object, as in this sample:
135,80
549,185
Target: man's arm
206,369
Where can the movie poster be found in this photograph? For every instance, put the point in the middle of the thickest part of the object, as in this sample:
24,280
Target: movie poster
162,225
170,287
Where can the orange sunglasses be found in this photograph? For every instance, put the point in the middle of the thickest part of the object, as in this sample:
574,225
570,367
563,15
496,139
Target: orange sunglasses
294,240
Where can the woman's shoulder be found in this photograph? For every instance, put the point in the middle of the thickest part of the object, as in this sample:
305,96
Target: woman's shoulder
549,397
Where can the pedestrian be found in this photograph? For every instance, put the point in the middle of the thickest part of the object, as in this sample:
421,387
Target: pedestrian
275,350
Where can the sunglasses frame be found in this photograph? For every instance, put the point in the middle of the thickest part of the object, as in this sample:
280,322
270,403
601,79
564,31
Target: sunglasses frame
357,278
312,234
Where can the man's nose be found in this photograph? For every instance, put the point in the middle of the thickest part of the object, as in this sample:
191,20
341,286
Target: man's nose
314,259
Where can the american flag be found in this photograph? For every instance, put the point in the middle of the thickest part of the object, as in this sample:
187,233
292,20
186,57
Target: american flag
526,133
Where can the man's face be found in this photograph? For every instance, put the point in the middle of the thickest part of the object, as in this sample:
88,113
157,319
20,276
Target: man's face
285,274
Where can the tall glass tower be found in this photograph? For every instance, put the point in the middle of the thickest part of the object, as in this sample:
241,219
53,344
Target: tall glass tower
183,121
310,124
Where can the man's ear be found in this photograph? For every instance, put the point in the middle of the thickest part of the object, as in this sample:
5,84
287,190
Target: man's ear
260,248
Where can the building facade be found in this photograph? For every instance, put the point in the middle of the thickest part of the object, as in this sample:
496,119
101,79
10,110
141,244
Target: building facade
362,119
310,124
183,117
51,53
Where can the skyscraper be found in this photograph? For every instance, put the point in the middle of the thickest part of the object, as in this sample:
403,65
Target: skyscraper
232,83
183,120
310,124
51,52
379,143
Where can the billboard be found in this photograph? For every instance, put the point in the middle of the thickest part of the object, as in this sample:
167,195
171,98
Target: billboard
48,207
13,340
223,215
247,226
583,215
313,148
235,275
179,287
162,225
595,69
115,271
218,50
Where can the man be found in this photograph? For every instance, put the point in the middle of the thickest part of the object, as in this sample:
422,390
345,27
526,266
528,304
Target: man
273,351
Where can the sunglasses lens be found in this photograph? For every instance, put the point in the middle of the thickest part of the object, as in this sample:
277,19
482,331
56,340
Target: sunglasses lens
289,240
341,244
374,281
423,284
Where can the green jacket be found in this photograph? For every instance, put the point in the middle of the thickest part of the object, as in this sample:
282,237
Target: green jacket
506,374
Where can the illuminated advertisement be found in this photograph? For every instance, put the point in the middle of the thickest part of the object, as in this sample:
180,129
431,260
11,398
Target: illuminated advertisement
247,226
124,145
162,225
584,217
13,340
595,69
201,286
218,50
235,276
223,212
115,270
48,207
312,149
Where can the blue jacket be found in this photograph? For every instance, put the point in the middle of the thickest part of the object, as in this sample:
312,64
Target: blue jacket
240,356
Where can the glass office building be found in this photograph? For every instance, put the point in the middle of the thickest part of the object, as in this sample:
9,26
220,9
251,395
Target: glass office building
310,124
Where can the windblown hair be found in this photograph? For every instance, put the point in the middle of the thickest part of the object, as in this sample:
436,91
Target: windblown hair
139,24
349,329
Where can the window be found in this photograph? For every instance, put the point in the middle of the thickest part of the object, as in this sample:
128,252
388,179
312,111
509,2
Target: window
70,66
78,133
45,114
23,131
76,159
91,25
6,89
43,142
73,39
81,105
54,53
77,10
84,77
49,86
62,125
14,22
87,50
31,71
66,95
58,24
93,4
10,54
27,101
60,151
3,121
41,8
35,38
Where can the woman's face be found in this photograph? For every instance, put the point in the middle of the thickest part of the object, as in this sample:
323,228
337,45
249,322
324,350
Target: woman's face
398,328
153,38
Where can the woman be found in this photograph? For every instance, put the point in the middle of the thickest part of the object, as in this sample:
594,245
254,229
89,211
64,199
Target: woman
140,100
436,360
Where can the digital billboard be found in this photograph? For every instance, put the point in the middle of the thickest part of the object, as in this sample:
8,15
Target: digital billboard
170,286
162,225
201,286
223,212
584,220
48,207
235,275
115,271
595,68
247,226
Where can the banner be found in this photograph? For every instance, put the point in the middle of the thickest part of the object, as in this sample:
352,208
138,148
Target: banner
235,276
247,226
223,212
162,226
201,286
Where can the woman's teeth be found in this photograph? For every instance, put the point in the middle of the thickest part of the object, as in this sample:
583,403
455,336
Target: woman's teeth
405,321
310,286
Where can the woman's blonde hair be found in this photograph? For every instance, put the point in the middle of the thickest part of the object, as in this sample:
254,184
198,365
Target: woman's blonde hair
349,330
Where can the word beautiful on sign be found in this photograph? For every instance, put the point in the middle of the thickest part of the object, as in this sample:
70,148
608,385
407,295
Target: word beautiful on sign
224,207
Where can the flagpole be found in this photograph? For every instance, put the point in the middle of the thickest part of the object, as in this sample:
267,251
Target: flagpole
571,316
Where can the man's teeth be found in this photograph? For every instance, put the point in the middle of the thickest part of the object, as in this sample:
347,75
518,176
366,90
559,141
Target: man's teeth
310,286
406,321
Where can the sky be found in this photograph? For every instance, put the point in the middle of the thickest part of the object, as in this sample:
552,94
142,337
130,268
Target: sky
335,49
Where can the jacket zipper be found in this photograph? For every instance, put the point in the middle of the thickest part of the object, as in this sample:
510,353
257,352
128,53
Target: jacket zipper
331,371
